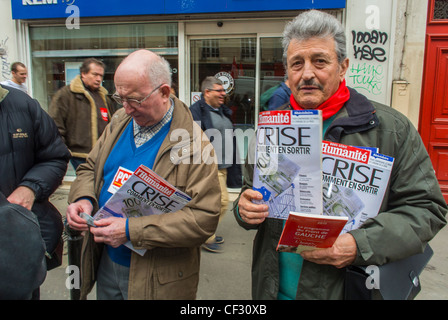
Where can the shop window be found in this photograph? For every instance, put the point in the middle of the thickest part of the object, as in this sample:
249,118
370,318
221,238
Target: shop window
248,49
171,31
57,49
272,71
210,48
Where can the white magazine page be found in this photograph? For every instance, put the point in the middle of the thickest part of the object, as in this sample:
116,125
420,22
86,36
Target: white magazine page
287,168
354,182
143,193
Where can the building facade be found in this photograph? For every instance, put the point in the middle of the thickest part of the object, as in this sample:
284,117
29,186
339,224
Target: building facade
237,41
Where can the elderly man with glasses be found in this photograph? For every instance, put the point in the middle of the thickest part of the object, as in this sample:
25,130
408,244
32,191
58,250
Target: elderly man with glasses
141,133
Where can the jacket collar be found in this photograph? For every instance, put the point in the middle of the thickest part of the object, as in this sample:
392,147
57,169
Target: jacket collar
3,93
77,86
205,108
357,115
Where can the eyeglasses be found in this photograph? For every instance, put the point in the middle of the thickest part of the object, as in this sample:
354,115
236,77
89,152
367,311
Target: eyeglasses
217,90
133,102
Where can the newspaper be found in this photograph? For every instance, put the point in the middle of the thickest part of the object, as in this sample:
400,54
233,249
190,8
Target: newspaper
143,193
288,161
354,182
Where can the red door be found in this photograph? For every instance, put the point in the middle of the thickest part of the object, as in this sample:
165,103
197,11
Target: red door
433,124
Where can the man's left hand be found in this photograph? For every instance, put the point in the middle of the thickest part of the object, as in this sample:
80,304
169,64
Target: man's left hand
340,255
111,231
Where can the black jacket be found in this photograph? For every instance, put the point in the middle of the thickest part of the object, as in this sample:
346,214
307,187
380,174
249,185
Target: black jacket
32,154
201,112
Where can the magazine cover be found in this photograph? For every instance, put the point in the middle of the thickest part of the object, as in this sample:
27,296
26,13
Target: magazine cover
143,193
354,182
287,169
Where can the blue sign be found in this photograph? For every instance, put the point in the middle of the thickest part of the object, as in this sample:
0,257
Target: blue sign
46,9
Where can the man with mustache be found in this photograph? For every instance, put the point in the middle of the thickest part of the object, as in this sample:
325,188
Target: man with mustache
413,210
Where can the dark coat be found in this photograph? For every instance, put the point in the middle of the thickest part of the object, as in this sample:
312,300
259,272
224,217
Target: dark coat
201,114
32,154
76,115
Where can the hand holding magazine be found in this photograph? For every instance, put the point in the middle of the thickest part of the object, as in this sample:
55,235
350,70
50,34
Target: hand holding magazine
354,183
288,170
144,193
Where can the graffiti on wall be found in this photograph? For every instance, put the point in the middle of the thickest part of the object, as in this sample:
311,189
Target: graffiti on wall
368,64
367,68
6,65
366,45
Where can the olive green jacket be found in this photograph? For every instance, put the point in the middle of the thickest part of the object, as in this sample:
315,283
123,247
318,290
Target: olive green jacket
411,214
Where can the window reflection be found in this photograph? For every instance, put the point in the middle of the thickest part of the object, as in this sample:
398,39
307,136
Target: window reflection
53,48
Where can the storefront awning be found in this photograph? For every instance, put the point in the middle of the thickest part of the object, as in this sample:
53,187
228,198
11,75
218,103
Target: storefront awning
46,9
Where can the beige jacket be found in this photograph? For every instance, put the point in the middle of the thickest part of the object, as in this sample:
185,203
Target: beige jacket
170,267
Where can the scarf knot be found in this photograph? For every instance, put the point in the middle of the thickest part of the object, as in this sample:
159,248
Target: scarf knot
332,105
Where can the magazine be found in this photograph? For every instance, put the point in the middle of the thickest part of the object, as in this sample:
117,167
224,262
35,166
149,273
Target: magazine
288,161
354,182
309,231
143,193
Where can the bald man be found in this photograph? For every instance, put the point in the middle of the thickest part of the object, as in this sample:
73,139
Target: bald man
139,133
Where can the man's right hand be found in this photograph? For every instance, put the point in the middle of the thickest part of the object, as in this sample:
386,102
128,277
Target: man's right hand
250,212
73,211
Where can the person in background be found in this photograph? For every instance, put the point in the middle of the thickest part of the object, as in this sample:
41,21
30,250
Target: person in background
280,96
214,117
19,74
413,210
140,133
82,110
174,89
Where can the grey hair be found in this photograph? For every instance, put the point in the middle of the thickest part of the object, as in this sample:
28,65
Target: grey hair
159,71
209,82
312,24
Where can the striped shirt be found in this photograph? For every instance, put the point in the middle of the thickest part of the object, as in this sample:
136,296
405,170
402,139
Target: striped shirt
144,134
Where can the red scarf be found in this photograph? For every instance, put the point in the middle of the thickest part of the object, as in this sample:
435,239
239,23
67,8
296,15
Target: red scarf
332,105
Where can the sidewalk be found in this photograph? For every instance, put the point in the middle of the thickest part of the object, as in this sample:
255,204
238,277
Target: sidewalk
222,276
226,276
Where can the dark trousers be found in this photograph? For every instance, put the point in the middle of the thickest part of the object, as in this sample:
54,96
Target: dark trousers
75,161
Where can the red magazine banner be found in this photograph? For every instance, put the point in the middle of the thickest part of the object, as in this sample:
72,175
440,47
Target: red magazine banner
345,151
277,117
310,231
154,181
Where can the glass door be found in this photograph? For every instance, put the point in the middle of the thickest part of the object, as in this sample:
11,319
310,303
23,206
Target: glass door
250,67
233,61
272,71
